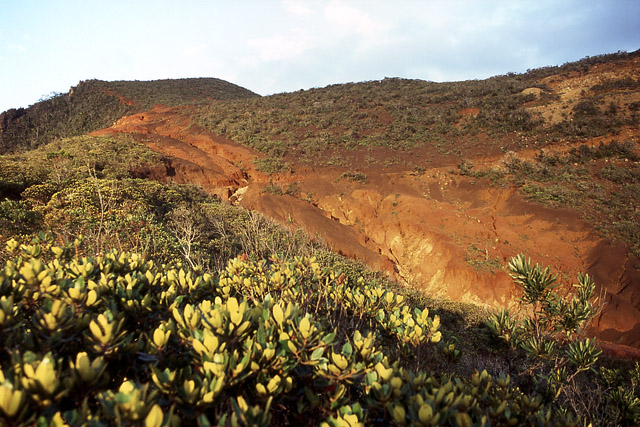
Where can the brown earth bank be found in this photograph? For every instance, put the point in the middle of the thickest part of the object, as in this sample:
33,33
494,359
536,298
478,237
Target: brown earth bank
445,234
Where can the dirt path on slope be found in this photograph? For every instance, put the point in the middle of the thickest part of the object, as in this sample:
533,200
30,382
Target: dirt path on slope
445,234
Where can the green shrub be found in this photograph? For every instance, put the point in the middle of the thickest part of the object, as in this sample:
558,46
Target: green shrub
292,189
120,340
555,195
620,174
16,218
550,329
275,189
354,176
613,149
480,259
271,165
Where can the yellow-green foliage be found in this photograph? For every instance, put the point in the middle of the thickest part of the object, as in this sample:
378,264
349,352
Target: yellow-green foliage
81,186
120,340
67,159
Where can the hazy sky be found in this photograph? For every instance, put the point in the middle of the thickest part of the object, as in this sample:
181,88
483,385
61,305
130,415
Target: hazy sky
272,46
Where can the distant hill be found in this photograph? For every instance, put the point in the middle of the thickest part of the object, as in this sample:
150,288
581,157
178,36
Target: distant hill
95,104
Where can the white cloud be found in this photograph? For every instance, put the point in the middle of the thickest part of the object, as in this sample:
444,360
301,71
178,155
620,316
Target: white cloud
280,46
299,8
350,19
194,50
14,47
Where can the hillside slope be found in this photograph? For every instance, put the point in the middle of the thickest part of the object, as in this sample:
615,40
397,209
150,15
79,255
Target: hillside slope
437,184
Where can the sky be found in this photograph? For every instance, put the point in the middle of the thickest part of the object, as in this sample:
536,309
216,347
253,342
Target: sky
274,46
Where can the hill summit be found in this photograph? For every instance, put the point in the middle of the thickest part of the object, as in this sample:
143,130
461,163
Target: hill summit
95,104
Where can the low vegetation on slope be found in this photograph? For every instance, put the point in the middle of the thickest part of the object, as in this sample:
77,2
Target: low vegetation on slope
406,114
603,182
395,113
96,104
134,302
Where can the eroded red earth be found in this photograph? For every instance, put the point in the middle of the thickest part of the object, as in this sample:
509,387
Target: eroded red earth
421,228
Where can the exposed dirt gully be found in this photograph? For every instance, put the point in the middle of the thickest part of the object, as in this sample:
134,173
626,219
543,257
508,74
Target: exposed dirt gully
424,229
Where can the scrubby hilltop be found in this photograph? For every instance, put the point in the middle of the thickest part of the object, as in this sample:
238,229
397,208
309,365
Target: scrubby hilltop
95,104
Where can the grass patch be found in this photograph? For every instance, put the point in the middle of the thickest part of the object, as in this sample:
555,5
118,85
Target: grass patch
555,195
275,189
271,165
480,260
354,176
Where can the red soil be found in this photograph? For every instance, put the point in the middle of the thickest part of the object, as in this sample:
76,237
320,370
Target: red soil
420,228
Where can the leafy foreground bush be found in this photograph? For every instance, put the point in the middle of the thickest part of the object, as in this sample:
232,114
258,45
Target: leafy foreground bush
119,340
547,338
552,333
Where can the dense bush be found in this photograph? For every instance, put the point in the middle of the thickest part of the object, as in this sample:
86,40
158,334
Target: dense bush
120,340
546,336
394,113
72,187
552,330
